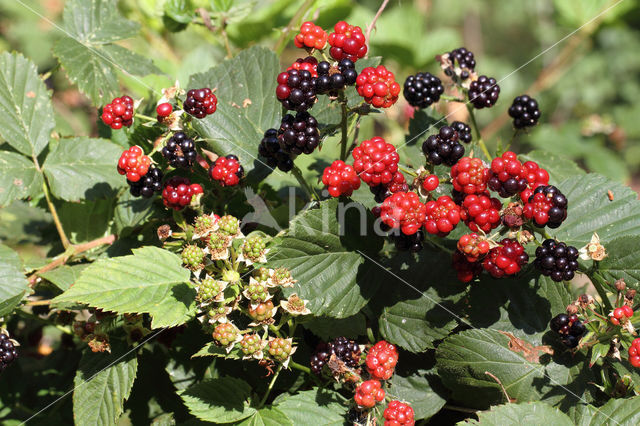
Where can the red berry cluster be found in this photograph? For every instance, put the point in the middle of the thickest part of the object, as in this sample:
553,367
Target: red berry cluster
403,210
311,36
134,163
398,414
200,102
340,179
375,161
506,259
469,176
465,269
620,313
178,192
634,352
473,246
118,113
535,175
480,212
442,216
347,41
505,176
306,64
368,393
378,86
381,360
430,183
546,206
226,170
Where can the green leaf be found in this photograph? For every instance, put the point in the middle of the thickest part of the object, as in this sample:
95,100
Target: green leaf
222,400
528,413
14,284
150,281
132,211
418,391
211,349
26,115
559,167
324,406
89,57
238,126
268,416
19,178
323,258
83,168
327,328
617,411
179,10
623,261
64,276
102,383
87,220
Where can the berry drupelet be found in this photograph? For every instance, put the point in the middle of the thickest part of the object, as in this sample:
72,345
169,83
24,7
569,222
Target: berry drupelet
296,90
299,134
464,131
271,150
200,102
484,92
569,327
180,151
556,260
422,89
148,184
333,78
525,112
505,176
443,147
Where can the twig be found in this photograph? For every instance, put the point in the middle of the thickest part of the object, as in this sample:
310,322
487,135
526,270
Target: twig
373,22
282,41
273,382
206,20
54,213
297,173
460,409
509,399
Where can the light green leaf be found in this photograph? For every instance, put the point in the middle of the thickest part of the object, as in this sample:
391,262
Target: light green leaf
87,220
18,177
623,261
132,211
222,400
14,284
417,389
64,276
559,167
268,416
324,406
83,168
97,21
102,383
617,411
179,10
150,281
527,413
26,115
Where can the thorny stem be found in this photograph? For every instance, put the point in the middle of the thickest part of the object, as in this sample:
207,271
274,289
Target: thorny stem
54,215
478,139
598,284
373,22
273,382
343,126
308,189
293,23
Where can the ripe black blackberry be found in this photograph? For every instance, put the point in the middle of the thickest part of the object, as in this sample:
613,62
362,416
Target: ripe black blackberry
546,206
148,184
422,89
200,102
556,260
443,148
409,242
464,131
296,90
180,151
346,350
569,327
464,59
8,352
299,134
270,149
319,358
524,111
333,78
484,92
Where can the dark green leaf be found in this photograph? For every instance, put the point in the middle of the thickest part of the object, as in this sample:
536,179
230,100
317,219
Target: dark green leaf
268,416
623,261
14,284
19,178
222,400
328,328
418,391
132,211
64,276
324,406
526,413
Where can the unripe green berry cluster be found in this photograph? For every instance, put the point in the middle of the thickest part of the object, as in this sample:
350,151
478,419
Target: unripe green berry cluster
257,292
225,334
261,274
228,225
250,344
279,349
253,247
193,256
209,288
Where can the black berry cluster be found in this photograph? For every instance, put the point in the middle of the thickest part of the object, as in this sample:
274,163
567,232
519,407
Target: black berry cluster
464,131
148,184
333,78
557,260
270,149
443,148
180,151
422,89
8,352
546,206
346,350
411,242
484,92
296,90
200,102
569,327
299,134
464,59
525,112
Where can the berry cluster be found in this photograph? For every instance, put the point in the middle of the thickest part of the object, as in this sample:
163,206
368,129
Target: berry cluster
378,86
368,393
8,352
525,112
279,349
465,61
442,216
411,242
209,287
469,176
226,170
569,327
134,164
311,36
634,352
535,175
178,192
299,134
506,259
254,248
473,246
443,147
200,102
305,64
296,90
422,89
118,113
465,269
180,151
556,260
484,92
340,179
464,131
225,334
148,184
193,256
481,212
271,150
262,311
619,314
333,78
250,344
375,161
381,360
403,210
347,42
383,191
505,175
398,414
546,206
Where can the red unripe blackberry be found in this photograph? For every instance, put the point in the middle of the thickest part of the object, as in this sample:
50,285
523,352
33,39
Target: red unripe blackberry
226,170
634,352
430,183
347,42
535,175
118,113
180,151
465,270
164,109
484,92
134,163
331,79
299,134
311,36
381,360
200,102
525,112
403,210
556,260
305,64
148,184
398,414
443,147
506,175
506,259
464,131
384,191
422,89
473,246
296,90
469,176
481,212
340,179
442,216
378,86
375,161
368,393
547,206
178,192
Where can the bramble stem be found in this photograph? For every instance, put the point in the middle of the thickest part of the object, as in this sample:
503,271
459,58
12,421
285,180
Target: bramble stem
273,382
598,284
54,215
295,19
407,171
294,365
308,189
478,139
451,98
144,117
343,126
